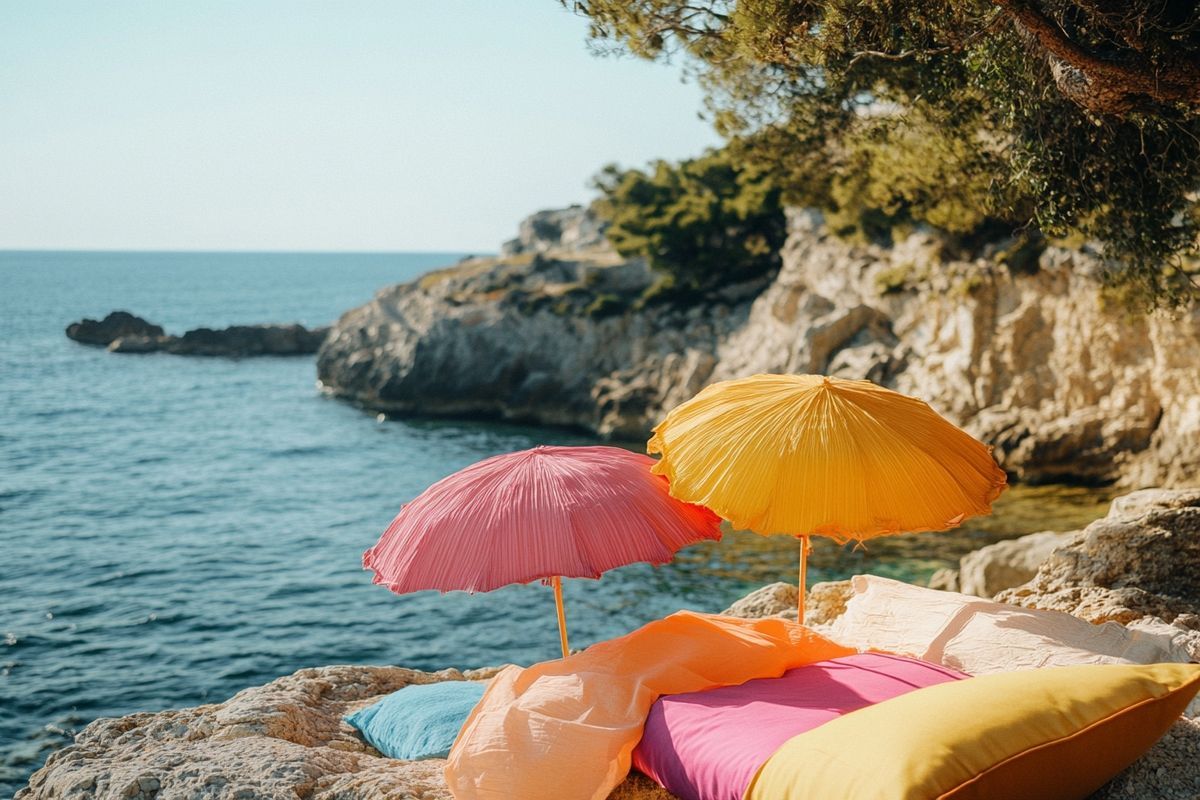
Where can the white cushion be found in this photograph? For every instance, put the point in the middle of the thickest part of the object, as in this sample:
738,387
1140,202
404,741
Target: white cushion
980,637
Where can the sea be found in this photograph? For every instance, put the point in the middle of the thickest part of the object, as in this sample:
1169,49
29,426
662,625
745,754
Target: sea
175,529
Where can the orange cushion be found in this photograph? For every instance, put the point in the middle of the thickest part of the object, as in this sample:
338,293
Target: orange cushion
1049,734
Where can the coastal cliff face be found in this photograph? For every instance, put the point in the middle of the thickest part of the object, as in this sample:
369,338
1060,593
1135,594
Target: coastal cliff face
1029,358
544,337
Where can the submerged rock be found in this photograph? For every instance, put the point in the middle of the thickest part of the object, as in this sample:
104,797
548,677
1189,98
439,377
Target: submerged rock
1035,362
116,325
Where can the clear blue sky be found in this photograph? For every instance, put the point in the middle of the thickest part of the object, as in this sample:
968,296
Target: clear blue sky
294,125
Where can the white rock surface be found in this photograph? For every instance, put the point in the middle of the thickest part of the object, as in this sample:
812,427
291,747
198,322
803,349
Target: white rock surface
571,229
1003,565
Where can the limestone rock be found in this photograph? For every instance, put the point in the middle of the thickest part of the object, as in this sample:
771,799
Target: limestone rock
1141,560
1003,565
1033,362
1137,504
550,339
1170,770
825,601
571,229
282,740
768,601
639,787
116,325
944,579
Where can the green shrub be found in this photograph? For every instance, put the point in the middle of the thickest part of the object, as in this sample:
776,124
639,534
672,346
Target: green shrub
702,222
893,279
605,305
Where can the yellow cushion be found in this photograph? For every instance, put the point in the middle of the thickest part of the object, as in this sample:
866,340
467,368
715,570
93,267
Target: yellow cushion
1051,734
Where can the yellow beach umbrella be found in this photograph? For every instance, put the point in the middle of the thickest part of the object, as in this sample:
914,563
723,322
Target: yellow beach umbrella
806,455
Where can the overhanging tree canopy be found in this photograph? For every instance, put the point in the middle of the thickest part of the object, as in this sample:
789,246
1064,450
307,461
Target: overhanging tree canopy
1071,118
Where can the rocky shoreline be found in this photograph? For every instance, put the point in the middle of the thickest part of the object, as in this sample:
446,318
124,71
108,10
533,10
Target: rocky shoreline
287,739
122,332
1023,351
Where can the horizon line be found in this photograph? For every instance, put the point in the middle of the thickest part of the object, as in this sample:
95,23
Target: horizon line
245,251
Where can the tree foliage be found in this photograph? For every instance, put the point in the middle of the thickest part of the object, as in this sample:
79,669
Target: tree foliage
701,222
1071,118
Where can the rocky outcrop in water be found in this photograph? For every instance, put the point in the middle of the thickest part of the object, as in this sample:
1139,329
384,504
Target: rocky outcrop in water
1029,357
116,325
122,332
239,341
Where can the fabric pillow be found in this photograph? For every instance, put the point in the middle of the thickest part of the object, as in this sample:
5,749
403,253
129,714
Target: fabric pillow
979,636
420,720
1049,734
708,745
566,728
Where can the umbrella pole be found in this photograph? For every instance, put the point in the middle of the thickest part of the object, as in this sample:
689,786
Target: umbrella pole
556,582
805,547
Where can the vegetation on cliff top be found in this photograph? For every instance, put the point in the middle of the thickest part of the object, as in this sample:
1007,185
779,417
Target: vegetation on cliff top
1076,119
701,222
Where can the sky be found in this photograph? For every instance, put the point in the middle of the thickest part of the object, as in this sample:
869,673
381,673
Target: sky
367,125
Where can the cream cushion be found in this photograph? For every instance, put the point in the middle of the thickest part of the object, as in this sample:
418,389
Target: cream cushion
981,637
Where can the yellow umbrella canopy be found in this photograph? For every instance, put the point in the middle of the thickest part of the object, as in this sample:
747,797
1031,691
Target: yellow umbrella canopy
811,455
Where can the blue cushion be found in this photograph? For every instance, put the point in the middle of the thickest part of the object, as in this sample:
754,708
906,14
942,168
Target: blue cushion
418,721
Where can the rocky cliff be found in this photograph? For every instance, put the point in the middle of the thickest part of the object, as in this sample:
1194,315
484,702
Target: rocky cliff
571,228
1029,357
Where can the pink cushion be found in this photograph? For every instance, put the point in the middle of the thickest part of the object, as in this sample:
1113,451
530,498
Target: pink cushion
709,745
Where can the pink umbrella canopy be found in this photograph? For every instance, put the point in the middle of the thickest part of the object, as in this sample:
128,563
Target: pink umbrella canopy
538,514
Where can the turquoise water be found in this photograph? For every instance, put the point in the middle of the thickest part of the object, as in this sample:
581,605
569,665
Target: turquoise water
176,529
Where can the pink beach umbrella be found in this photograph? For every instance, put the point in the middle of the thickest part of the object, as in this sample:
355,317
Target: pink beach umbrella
540,514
